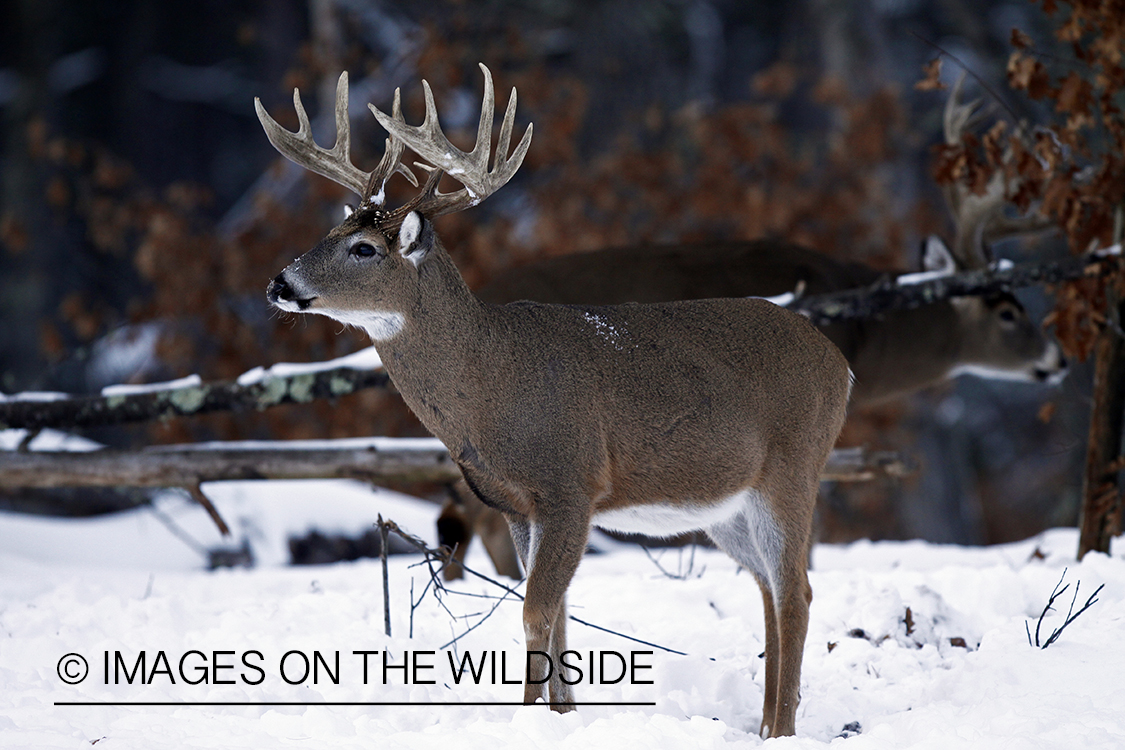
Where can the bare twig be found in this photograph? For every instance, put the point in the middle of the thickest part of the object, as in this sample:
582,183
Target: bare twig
495,605
965,67
1071,615
435,581
197,494
1056,592
680,576
627,637
445,554
386,586
413,605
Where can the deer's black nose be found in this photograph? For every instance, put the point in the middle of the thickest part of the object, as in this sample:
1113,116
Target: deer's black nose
279,289
281,293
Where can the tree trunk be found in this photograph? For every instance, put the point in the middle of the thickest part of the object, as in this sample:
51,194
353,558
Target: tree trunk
1100,517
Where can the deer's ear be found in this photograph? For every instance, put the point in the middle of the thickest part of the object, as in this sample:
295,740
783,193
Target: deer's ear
415,238
936,256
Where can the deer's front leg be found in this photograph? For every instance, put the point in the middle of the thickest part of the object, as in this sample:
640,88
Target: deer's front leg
555,548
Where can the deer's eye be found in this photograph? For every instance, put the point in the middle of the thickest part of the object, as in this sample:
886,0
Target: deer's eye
1008,315
364,249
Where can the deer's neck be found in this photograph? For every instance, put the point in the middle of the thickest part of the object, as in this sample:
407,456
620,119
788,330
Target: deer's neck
904,351
438,348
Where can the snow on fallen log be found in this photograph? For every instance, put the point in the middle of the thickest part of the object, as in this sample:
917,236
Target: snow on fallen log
255,390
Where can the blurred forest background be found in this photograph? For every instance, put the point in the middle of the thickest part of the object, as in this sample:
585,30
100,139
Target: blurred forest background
143,211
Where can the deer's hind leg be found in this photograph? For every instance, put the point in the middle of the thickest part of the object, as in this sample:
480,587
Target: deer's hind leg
774,548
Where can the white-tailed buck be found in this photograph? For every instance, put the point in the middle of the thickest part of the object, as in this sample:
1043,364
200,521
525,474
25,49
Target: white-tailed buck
659,418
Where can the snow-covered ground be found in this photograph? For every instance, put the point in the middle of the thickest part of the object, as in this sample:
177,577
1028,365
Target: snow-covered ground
874,676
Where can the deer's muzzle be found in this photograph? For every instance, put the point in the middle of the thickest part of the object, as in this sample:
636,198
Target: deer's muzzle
282,295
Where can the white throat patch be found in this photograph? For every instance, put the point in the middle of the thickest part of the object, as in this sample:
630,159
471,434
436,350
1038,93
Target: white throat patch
381,325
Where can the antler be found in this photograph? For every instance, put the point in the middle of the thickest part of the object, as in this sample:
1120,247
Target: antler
470,169
980,219
335,163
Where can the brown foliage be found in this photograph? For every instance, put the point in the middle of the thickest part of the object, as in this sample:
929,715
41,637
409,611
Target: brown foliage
931,81
1073,167
734,171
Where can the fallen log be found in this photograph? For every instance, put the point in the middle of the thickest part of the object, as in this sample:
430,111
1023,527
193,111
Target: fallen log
423,460
375,461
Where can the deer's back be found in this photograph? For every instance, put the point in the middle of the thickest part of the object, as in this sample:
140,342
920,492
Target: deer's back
729,344
712,383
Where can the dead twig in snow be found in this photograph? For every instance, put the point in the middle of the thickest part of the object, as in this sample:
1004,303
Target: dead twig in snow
1071,615
683,575
444,554
383,528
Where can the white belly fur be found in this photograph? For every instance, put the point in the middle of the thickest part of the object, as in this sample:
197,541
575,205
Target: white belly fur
667,519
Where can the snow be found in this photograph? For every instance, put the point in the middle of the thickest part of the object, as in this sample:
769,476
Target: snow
47,440
920,277
126,584
34,396
605,330
785,299
125,389
265,514
364,359
359,443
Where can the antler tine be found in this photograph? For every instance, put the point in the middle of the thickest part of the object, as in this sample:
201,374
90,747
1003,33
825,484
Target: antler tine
483,146
391,162
980,219
1001,227
470,169
343,148
504,166
970,211
301,149
956,117
505,139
